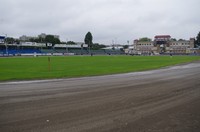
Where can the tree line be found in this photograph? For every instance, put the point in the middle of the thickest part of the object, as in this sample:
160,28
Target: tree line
54,40
88,40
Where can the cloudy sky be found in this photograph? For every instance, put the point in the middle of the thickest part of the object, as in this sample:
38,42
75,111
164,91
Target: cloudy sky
109,21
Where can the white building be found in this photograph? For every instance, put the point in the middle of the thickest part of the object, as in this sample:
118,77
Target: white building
164,44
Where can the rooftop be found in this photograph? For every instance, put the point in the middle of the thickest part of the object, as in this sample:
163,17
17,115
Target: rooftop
162,36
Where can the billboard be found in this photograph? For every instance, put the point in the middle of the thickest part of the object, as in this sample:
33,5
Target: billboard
2,39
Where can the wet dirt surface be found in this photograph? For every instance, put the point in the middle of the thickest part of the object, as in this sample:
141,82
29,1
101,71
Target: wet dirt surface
165,100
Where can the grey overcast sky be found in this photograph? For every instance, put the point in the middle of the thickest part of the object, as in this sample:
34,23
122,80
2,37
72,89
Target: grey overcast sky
116,21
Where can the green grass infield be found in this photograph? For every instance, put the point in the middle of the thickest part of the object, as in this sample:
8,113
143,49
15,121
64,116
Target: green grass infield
29,68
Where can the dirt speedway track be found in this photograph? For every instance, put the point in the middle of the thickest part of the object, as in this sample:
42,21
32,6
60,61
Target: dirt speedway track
166,100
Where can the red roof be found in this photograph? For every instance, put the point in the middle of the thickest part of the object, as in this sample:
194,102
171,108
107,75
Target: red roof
162,36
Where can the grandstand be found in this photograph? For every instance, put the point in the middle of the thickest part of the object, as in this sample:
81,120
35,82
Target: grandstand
31,48
99,52
114,51
16,50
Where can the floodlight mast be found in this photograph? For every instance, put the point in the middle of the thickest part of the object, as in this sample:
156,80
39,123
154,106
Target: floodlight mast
6,44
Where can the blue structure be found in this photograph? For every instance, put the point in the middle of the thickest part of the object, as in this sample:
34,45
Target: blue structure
2,39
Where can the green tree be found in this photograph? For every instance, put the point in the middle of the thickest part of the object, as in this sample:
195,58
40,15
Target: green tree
52,39
88,39
34,40
97,46
125,46
173,39
71,42
10,40
145,39
197,41
17,41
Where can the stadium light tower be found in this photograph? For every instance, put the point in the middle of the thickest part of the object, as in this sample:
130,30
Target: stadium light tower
6,44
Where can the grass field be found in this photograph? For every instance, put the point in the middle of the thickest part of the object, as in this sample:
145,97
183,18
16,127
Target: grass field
29,68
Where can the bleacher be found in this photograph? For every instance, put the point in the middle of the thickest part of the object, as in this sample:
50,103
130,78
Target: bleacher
60,50
78,51
47,51
114,52
14,49
98,52
20,51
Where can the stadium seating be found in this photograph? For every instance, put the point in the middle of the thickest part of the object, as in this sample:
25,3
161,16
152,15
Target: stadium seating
14,50
98,52
20,51
114,52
